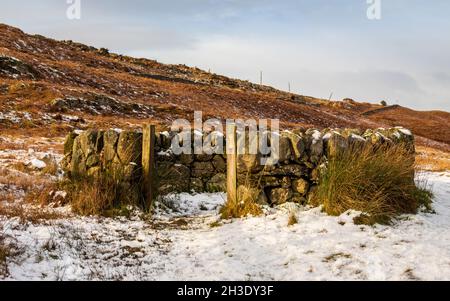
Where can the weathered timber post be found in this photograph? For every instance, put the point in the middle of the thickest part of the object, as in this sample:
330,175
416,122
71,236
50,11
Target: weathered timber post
148,164
231,163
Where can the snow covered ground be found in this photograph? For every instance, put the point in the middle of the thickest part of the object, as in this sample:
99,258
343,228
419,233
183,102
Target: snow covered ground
183,244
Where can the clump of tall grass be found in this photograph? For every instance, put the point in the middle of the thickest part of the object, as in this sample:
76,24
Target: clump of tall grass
246,202
110,191
106,194
244,205
380,182
4,253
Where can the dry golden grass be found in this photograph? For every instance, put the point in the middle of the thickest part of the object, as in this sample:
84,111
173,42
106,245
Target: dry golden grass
433,125
54,130
380,183
7,197
5,252
430,159
9,145
35,188
240,209
88,198
46,194
292,219
244,205
21,167
51,167
105,195
28,213
20,180
8,251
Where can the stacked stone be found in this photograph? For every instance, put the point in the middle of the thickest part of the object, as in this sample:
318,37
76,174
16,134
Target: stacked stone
188,172
107,154
112,153
302,156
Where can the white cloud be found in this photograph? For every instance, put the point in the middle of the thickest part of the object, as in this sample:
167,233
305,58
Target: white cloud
313,69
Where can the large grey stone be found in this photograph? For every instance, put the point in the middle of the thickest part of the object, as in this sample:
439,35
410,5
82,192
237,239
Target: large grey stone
336,144
285,150
249,163
315,145
300,186
173,177
219,163
197,185
248,194
202,169
218,183
129,147
280,196
91,142
78,163
298,145
68,144
110,139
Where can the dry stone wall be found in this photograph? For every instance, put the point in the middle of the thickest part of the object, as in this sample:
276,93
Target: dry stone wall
94,153
303,153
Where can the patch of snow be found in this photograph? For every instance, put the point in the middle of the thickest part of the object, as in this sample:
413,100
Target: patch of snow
319,247
166,134
397,135
327,136
317,135
357,137
405,132
189,204
36,163
167,153
61,194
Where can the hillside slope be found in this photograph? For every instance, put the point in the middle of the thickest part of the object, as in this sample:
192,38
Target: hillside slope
48,87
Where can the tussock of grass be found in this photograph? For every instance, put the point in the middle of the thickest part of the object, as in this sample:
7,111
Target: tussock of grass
105,195
240,209
292,219
51,167
4,253
20,180
246,202
432,159
28,214
244,205
380,183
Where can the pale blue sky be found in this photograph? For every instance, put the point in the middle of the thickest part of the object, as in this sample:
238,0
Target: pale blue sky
319,46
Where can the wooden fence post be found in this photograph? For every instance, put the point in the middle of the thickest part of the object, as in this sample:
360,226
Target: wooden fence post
231,163
148,163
